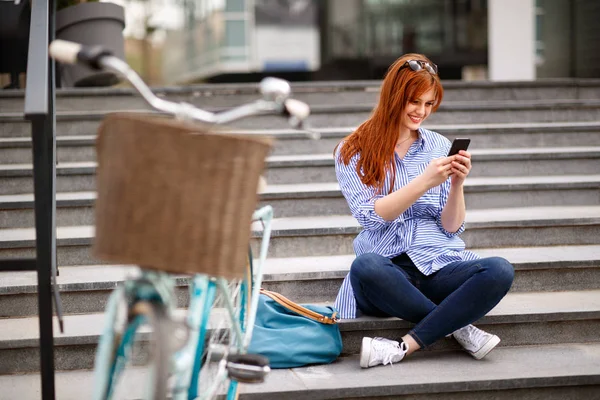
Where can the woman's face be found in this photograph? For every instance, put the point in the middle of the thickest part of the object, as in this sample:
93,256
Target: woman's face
417,110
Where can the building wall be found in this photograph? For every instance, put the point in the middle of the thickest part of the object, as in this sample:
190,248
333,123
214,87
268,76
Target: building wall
468,39
344,17
555,37
511,44
587,38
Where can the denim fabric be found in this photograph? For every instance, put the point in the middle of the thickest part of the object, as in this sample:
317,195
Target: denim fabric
457,295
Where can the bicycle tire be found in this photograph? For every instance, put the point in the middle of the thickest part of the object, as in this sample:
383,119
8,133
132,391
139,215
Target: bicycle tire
116,352
218,344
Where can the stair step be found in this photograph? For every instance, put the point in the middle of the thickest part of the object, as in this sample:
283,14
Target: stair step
519,319
85,289
551,372
508,227
486,163
333,235
340,92
86,122
544,371
288,142
313,199
319,168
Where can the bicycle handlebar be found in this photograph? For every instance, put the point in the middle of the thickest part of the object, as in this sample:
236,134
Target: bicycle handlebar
275,91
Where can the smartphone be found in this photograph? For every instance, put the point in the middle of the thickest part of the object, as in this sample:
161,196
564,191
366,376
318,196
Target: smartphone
459,144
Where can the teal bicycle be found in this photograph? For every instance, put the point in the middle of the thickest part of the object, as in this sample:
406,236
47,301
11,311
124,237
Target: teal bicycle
151,212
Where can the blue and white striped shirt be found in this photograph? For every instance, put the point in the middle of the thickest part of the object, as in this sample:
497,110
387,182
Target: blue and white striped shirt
418,231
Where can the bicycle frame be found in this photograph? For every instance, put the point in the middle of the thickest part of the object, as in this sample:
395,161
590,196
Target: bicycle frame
148,285
203,293
159,286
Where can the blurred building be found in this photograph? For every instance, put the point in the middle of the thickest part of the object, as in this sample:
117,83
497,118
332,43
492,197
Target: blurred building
237,40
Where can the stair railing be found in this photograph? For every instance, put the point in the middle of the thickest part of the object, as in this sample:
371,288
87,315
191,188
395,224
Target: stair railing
40,110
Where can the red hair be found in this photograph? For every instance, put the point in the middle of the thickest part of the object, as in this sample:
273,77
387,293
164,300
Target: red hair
375,139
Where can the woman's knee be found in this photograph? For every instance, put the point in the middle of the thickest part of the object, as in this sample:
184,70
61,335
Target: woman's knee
501,271
366,266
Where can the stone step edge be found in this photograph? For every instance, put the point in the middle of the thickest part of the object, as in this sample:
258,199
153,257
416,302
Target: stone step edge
515,308
212,89
338,132
106,277
524,367
518,217
507,368
450,106
334,86
311,190
326,159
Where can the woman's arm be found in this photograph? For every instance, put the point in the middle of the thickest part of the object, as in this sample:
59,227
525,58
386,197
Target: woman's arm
453,214
395,203
360,197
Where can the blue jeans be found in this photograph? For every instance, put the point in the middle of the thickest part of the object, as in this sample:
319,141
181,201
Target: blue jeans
449,299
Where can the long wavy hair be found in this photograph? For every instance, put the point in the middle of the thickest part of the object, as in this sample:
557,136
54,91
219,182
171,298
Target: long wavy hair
375,139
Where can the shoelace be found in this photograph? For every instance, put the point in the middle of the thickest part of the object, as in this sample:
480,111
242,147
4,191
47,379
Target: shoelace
386,350
472,335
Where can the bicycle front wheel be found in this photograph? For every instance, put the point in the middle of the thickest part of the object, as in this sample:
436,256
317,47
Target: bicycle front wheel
224,336
133,356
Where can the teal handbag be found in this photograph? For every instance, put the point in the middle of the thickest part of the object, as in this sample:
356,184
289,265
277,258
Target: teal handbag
292,335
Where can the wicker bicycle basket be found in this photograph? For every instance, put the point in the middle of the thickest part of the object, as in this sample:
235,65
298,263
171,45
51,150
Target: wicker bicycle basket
174,197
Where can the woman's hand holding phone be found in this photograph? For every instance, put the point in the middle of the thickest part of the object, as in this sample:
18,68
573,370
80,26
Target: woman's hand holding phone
461,160
461,166
456,165
437,171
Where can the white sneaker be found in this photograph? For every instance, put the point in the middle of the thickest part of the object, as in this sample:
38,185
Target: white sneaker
377,351
475,341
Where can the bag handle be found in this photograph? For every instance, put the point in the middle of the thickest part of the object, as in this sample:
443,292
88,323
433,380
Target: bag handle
297,308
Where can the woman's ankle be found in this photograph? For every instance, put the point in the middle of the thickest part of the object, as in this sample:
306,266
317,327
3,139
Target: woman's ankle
411,343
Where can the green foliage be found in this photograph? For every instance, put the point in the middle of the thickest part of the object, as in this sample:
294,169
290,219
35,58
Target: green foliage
67,3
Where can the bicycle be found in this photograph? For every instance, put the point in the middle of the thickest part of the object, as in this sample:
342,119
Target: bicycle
190,357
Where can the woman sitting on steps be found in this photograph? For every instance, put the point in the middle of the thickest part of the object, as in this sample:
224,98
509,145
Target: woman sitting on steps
409,198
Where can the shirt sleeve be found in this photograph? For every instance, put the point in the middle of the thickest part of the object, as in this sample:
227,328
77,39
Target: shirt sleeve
360,197
444,193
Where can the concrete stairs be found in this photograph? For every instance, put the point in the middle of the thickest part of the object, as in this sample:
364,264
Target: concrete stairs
533,198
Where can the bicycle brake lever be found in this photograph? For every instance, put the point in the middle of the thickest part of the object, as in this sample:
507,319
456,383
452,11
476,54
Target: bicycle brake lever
298,112
296,108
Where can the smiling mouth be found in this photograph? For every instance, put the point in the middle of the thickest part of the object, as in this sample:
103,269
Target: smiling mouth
416,120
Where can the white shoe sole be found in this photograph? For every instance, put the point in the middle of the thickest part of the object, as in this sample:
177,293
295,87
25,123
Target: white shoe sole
365,352
486,348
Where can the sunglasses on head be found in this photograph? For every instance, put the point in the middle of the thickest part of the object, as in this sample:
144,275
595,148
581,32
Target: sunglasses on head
417,65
